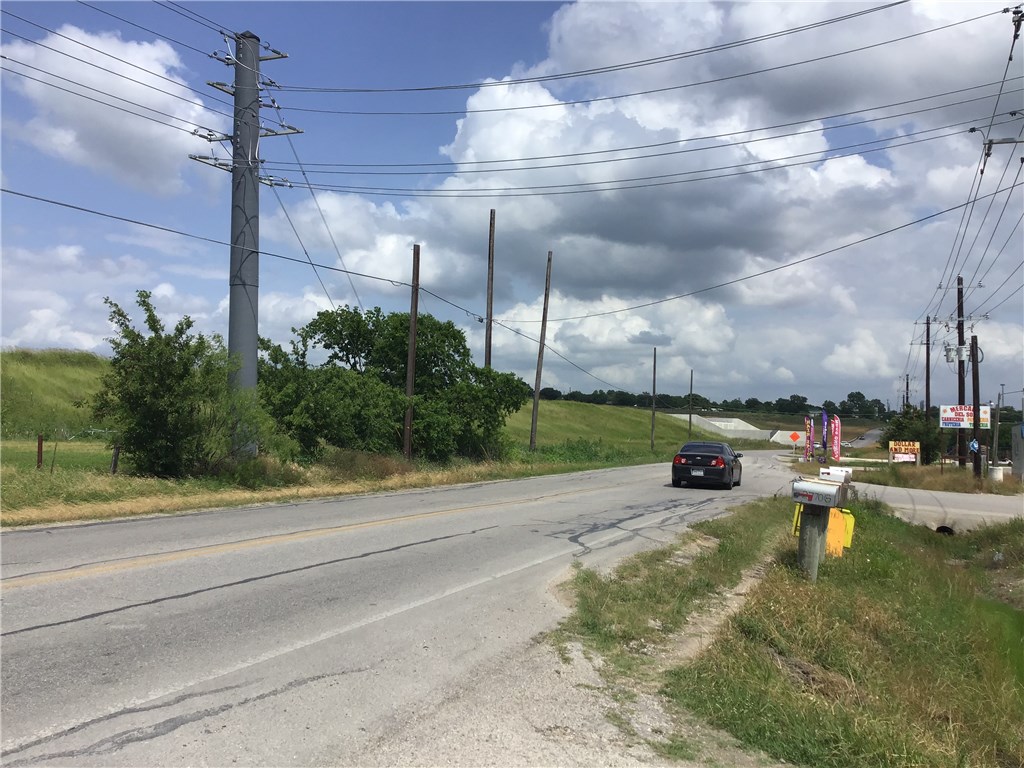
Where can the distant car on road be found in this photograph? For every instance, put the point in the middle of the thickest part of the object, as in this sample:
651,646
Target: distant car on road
846,444
700,463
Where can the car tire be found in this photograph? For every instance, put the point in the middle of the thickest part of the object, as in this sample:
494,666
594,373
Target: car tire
677,483
739,481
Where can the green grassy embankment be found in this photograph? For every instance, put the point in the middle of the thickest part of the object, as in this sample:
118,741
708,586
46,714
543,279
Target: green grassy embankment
907,651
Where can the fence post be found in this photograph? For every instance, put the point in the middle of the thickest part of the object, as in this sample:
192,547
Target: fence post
39,451
114,458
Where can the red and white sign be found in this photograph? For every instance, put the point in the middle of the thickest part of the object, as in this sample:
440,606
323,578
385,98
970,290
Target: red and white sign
962,416
837,437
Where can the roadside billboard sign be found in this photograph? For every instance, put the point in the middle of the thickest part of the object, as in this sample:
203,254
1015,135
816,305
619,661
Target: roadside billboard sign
962,416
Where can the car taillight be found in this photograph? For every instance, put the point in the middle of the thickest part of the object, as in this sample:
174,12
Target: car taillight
679,460
718,462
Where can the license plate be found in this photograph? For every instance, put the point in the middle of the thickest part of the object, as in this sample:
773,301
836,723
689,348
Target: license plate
697,472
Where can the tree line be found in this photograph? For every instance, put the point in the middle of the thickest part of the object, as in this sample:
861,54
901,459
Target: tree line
340,382
854,405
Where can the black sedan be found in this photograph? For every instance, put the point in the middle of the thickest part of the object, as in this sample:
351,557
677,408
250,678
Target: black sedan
705,462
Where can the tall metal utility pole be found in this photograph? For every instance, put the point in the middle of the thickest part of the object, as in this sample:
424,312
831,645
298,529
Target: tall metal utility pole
490,293
244,275
540,358
244,270
961,375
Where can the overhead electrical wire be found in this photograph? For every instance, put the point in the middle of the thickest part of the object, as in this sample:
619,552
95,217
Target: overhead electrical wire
105,104
197,18
318,167
319,208
648,92
674,142
144,29
981,260
302,245
769,271
120,60
600,70
106,71
633,308
95,50
961,234
648,181
1003,248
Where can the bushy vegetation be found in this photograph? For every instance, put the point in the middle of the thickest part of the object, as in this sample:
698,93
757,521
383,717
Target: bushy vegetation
355,398
167,396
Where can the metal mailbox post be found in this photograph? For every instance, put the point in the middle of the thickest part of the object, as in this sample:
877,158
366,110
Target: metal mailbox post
817,497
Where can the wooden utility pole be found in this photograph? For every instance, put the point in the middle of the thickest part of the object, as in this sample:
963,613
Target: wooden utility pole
961,374
995,425
927,368
490,293
689,430
976,383
540,357
654,394
410,366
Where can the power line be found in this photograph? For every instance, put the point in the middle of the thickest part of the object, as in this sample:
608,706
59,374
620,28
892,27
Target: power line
649,181
107,71
105,104
665,89
284,166
94,50
600,70
762,273
319,208
144,29
674,142
196,17
302,245
716,286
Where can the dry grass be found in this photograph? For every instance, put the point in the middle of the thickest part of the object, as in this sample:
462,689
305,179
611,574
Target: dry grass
75,495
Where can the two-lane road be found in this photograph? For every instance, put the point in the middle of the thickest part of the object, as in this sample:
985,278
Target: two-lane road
301,634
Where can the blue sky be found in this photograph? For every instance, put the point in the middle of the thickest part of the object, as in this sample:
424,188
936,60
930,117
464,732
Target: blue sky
719,251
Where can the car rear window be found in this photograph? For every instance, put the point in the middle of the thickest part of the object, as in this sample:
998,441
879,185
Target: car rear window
702,448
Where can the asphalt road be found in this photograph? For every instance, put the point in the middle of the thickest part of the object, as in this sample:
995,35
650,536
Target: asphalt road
305,634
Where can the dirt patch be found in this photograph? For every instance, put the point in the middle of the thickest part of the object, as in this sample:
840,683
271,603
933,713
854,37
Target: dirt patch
635,704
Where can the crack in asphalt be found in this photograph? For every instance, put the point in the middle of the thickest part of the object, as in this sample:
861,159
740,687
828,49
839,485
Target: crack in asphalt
118,741
241,582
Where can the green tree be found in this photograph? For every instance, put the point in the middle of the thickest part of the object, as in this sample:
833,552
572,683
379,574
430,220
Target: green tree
855,404
168,396
913,424
356,398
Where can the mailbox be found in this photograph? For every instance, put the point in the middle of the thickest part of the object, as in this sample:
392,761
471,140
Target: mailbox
820,493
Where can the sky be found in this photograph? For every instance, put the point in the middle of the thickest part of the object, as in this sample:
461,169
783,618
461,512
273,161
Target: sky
778,197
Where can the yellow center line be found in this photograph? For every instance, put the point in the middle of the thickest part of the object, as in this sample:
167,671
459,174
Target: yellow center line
98,569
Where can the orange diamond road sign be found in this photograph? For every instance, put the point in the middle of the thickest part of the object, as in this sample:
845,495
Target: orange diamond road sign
794,436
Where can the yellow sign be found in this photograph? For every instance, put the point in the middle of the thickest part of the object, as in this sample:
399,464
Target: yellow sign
839,534
904,446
